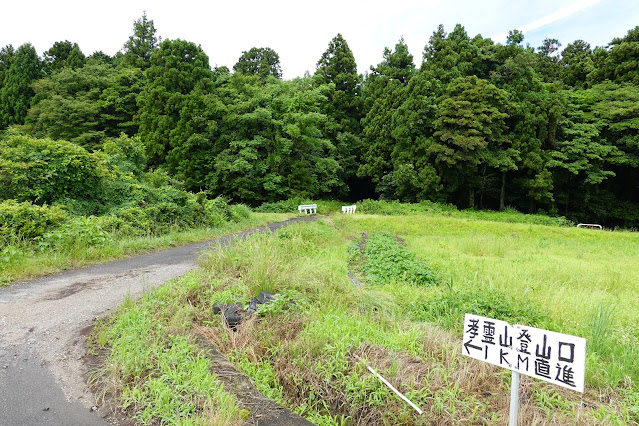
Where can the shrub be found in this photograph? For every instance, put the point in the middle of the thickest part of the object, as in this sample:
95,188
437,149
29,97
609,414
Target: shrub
290,206
513,216
130,221
240,212
44,171
128,154
218,206
397,208
284,206
27,221
78,232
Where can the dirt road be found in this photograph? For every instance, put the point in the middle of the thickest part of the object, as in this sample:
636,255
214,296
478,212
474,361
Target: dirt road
41,331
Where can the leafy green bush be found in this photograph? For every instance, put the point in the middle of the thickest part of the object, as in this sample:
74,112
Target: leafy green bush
24,220
129,221
44,171
78,232
9,255
382,207
290,206
94,196
513,216
240,211
218,206
284,206
387,261
127,154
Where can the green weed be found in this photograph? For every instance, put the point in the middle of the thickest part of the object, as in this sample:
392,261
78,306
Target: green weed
155,373
312,354
448,307
386,262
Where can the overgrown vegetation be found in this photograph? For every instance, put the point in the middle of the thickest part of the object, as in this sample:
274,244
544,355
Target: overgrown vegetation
155,370
386,261
62,205
310,351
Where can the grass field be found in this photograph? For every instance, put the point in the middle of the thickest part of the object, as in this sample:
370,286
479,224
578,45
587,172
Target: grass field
390,292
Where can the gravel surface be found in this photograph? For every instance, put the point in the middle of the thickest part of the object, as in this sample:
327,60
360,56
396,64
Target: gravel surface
41,341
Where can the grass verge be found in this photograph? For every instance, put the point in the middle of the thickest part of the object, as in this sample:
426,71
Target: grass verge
21,261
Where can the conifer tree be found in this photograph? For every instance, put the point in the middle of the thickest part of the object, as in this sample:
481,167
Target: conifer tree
386,89
141,45
16,93
337,67
178,69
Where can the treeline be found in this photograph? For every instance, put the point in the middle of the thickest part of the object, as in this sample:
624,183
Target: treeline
477,124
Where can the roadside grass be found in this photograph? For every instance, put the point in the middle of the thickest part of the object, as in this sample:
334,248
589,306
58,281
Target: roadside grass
154,369
310,350
21,260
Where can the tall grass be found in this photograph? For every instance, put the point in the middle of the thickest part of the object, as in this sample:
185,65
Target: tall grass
311,351
569,280
154,370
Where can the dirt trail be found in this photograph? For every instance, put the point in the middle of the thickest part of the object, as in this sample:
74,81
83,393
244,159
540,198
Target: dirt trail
41,323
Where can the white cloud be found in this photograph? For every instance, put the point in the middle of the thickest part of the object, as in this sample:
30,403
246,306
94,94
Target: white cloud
562,13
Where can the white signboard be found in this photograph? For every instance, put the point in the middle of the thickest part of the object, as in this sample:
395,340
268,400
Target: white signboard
553,357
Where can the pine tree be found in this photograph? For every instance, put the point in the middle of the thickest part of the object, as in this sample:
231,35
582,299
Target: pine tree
385,90
469,131
141,45
178,69
337,67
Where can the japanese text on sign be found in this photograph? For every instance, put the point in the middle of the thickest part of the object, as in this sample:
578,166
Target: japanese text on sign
549,356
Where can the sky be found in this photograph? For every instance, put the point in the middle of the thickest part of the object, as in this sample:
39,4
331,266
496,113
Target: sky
300,31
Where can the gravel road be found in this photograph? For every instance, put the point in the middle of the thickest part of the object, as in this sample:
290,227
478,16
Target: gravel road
42,343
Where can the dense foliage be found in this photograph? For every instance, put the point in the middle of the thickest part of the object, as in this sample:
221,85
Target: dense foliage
475,124
57,190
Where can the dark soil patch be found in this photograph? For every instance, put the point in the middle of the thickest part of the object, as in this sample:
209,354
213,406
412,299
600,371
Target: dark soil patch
69,291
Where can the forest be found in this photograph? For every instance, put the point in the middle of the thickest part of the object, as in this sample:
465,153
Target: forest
548,129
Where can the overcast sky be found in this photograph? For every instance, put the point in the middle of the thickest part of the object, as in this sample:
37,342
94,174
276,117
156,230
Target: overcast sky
299,31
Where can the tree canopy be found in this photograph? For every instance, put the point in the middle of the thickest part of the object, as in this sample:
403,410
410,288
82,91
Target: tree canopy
472,122
262,61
